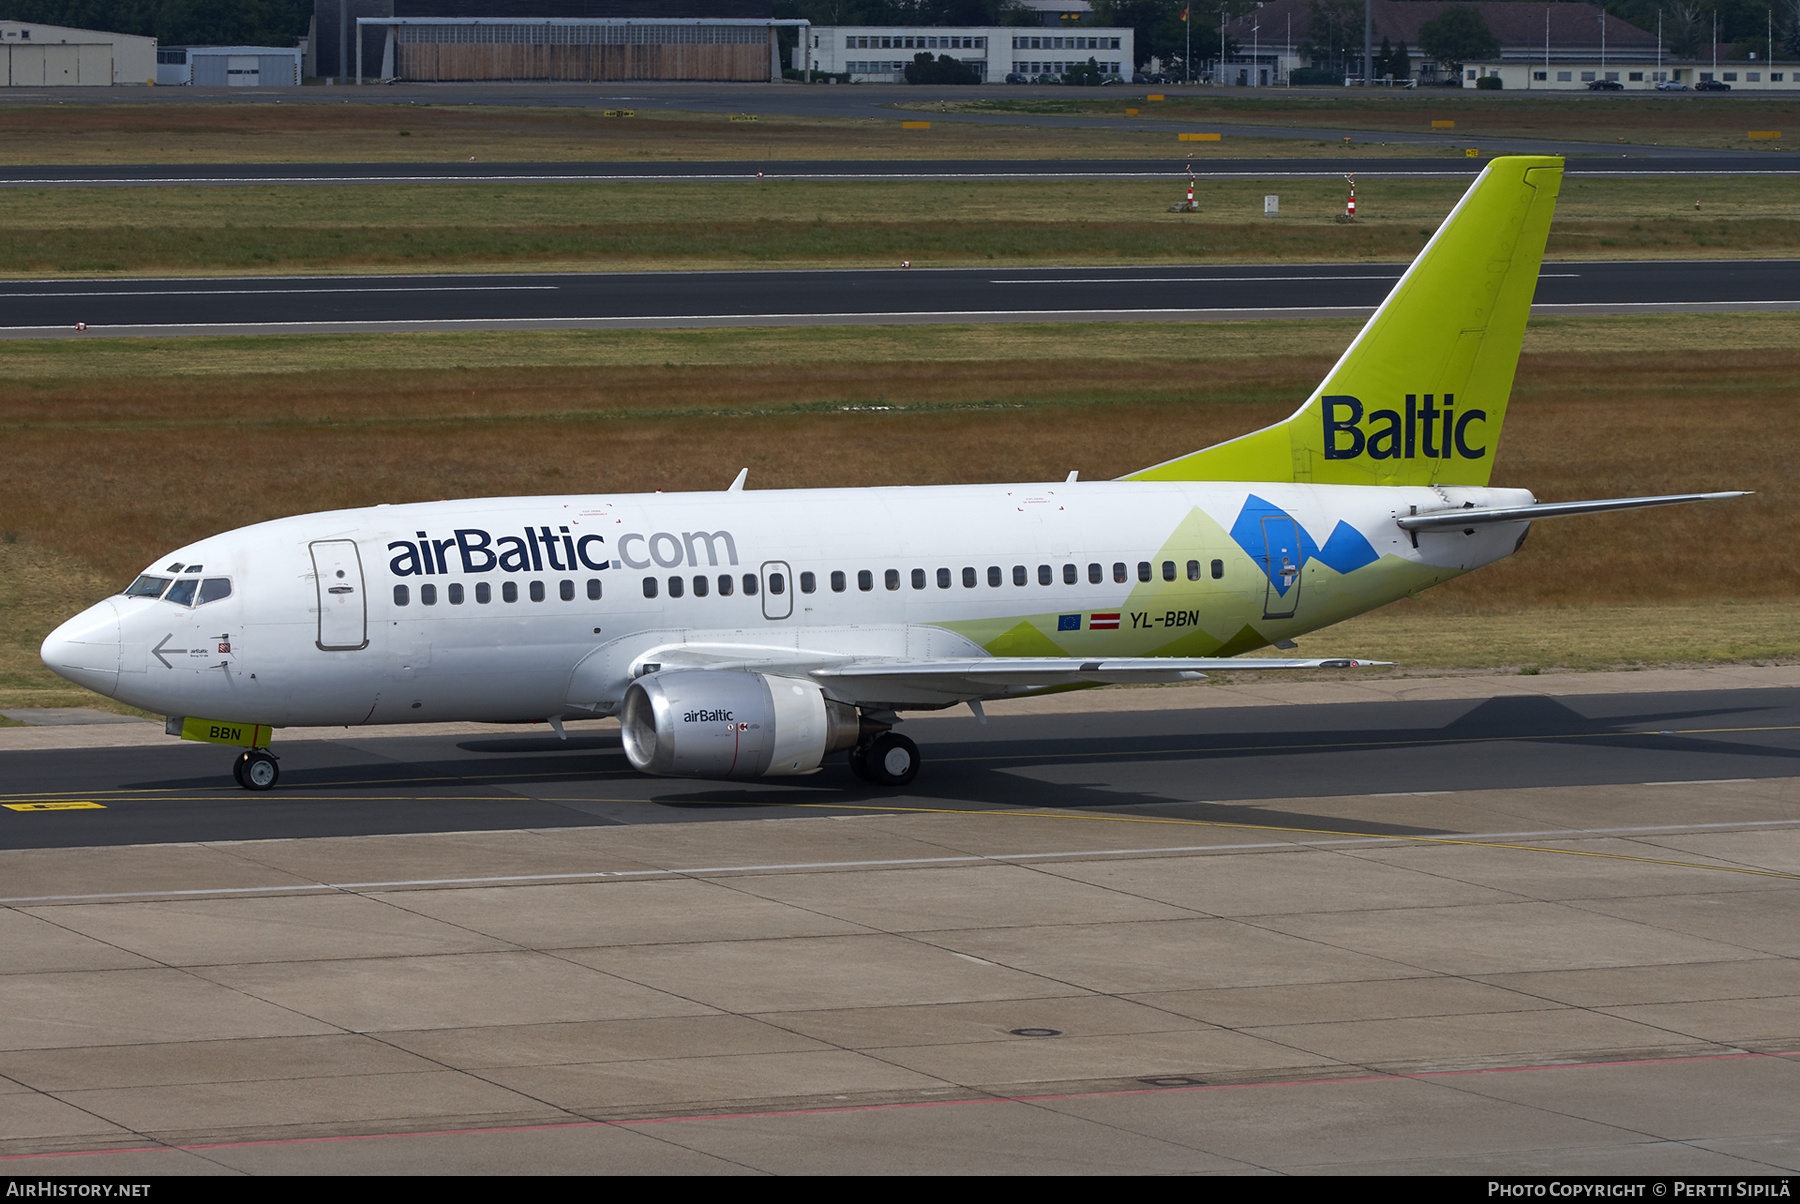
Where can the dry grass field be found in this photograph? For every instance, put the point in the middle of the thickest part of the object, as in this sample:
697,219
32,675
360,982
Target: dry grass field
1659,119
803,223
115,452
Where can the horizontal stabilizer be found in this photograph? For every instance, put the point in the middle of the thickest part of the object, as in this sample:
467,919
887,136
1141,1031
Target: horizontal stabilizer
1439,520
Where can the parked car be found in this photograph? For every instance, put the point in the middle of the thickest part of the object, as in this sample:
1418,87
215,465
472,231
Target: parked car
1669,85
1013,77
1606,85
1712,85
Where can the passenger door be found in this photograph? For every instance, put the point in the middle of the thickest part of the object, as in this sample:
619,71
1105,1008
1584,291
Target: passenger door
343,606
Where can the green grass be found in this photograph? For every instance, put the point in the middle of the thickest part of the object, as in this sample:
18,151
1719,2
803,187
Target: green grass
797,223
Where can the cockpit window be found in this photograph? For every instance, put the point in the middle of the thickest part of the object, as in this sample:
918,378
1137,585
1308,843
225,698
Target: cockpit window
147,587
182,592
214,588
192,569
174,568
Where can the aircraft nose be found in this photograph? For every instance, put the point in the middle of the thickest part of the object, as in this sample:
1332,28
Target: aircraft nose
86,649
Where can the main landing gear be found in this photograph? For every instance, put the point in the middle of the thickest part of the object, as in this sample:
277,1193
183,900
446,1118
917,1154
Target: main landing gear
887,759
256,770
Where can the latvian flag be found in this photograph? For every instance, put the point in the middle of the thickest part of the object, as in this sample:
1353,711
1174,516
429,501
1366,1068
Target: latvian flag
1100,622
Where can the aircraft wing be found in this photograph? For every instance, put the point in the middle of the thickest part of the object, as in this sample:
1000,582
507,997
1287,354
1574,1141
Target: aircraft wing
999,676
1438,520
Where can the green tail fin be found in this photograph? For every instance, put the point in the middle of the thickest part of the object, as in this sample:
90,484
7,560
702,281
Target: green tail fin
1419,397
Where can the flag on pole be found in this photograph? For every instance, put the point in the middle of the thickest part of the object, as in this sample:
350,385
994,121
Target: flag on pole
1184,13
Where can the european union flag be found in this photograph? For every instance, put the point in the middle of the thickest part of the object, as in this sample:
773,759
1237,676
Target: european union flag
1068,623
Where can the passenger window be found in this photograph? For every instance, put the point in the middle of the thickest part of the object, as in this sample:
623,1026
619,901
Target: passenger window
182,592
918,579
455,593
402,595
566,591
994,576
1143,570
700,587
777,583
1193,570
649,587
593,589
865,580
1119,571
675,589
969,578
214,588
1168,570
943,578
484,593
537,591
147,587
1044,575
1069,574
428,595
725,584
1096,574
1019,574
509,591
891,579
1218,569
838,581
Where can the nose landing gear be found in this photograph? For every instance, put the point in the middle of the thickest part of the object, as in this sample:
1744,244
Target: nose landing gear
256,770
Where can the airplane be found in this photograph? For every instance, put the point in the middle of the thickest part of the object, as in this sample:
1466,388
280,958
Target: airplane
743,634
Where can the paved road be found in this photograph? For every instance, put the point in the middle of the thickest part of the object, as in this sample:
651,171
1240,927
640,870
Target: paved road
1214,764
1484,927
1705,163
879,102
30,309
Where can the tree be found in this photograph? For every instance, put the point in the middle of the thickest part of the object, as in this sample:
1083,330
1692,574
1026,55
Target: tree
945,70
1456,36
1401,64
1333,33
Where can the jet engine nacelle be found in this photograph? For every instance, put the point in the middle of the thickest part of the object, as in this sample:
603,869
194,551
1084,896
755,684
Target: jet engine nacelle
715,723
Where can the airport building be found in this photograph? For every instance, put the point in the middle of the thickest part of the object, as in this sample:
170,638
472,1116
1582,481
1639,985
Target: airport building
1540,44
546,40
228,66
53,56
881,53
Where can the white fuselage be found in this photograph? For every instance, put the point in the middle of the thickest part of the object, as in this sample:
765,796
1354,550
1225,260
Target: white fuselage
523,609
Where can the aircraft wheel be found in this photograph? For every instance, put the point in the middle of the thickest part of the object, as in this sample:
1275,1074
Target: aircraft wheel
256,770
893,760
859,762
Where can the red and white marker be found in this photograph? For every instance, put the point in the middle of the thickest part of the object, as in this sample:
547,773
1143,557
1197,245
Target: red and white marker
81,326
1350,205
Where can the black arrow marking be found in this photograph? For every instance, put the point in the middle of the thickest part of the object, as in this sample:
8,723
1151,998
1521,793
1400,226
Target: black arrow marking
157,651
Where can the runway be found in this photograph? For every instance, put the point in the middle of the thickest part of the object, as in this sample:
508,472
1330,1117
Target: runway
600,300
1673,162
1500,926
889,102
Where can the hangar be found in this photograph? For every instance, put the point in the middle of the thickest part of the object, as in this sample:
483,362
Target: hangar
54,56
544,39
441,49
229,66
